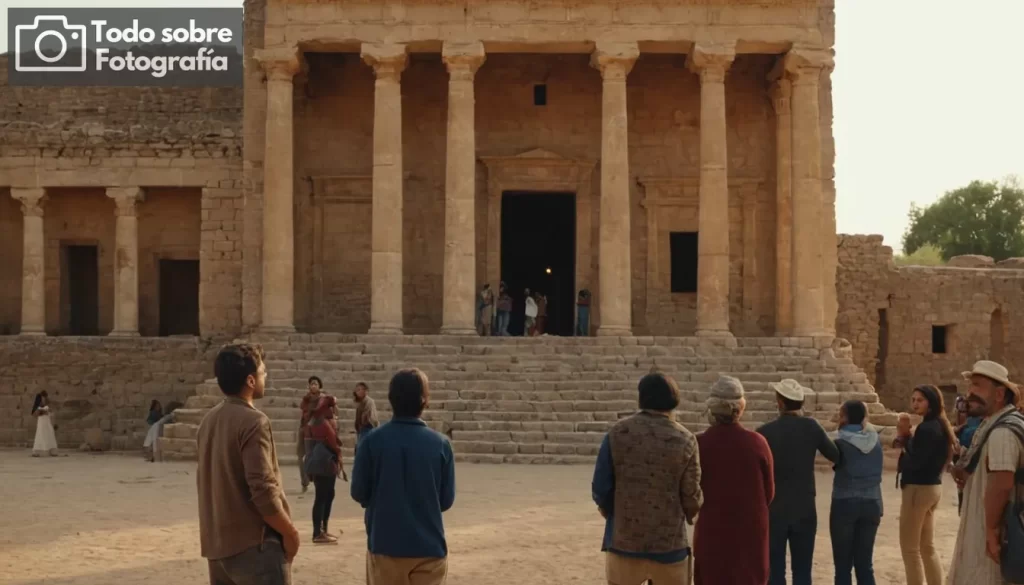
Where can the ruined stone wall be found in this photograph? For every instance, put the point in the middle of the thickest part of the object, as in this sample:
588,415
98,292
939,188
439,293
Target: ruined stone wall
982,309
169,228
334,136
96,383
86,139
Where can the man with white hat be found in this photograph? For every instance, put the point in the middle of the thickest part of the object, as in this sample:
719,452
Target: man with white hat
795,440
987,473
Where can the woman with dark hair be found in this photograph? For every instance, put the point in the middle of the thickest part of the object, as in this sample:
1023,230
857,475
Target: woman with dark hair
46,439
156,412
323,465
926,453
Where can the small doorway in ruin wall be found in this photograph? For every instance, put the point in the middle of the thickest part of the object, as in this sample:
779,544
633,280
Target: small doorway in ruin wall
79,289
179,297
538,251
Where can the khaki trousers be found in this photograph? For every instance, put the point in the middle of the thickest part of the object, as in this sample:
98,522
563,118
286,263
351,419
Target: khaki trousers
621,570
385,570
917,529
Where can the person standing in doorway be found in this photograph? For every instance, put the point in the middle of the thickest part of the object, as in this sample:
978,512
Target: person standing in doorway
366,412
795,440
504,311
542,313
245,526
856,496
987,474
485,311
647,487
583,313
404,477
529,314
306,408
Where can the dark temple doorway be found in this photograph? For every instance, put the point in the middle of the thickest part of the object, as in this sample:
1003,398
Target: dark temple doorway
179,297
538,252
80,289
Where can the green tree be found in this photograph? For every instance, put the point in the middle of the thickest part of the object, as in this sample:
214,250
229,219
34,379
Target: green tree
927,255
985,218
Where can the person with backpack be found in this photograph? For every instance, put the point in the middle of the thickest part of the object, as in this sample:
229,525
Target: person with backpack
989,550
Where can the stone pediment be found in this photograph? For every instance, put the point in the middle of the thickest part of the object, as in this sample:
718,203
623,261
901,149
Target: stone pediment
535,157
540,153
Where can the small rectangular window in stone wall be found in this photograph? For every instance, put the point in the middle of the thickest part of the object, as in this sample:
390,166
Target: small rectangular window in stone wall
683,251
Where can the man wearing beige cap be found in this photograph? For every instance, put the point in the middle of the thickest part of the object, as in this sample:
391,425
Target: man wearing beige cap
795,440
986,473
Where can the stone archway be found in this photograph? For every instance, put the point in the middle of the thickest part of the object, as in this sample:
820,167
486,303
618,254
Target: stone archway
543,171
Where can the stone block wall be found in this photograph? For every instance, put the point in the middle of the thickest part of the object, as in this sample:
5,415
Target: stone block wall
96,383
78,141
982,310
10,263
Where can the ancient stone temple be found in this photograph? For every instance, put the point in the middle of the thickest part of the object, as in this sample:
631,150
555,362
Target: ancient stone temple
386,159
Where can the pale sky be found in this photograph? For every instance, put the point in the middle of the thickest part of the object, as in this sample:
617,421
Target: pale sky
928,97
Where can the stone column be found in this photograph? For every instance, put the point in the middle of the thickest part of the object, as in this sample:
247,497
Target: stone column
459,304
781,92
711,63
804,67
280,66
126,261
614,290
33,274
388,62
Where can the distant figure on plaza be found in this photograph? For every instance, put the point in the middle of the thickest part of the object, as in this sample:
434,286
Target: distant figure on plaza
856,496
156,412
529,314
323,465
583,313
46,438
404,476
504,311
245,527
647,486
987,474
795,440
927,451
738,485
366,412
485,311
151,444
309,402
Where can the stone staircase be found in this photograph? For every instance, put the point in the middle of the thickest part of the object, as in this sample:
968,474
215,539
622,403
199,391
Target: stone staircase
536,400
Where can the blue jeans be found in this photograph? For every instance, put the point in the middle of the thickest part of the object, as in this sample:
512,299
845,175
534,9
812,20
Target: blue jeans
799,534
853,524
582,321
263,564
501,323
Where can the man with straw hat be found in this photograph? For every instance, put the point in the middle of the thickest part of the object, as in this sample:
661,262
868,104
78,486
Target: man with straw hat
987,473
795,441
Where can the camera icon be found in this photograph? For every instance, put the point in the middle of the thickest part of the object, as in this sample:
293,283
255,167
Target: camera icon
44,46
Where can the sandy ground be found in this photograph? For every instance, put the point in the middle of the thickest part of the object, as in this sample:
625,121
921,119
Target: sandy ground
105,519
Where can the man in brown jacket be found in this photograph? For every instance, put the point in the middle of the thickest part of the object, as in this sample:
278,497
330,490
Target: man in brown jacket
647,486
245,527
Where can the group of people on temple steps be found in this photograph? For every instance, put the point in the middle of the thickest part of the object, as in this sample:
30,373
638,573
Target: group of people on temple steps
494,313
751,495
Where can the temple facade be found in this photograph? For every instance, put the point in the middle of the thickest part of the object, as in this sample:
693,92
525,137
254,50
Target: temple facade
673,159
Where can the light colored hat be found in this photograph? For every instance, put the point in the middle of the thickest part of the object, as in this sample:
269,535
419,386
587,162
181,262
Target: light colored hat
726,394
992,371
789,389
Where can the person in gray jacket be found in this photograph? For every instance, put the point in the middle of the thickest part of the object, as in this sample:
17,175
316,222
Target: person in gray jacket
856,496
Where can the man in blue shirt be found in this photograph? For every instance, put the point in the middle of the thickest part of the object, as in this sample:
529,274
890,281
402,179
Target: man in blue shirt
404,476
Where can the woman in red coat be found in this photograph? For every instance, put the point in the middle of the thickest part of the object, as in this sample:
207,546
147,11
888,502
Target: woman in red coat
323,466
730,542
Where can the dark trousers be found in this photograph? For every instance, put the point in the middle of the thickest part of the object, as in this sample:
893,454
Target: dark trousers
324,486
799,534
853,525
260,565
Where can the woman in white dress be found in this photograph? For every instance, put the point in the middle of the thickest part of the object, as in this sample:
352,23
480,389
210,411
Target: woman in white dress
46,439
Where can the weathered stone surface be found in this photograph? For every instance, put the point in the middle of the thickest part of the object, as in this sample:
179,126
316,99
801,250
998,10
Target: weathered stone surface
970,261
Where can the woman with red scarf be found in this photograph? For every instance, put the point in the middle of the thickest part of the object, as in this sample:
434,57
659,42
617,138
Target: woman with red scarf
323,465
